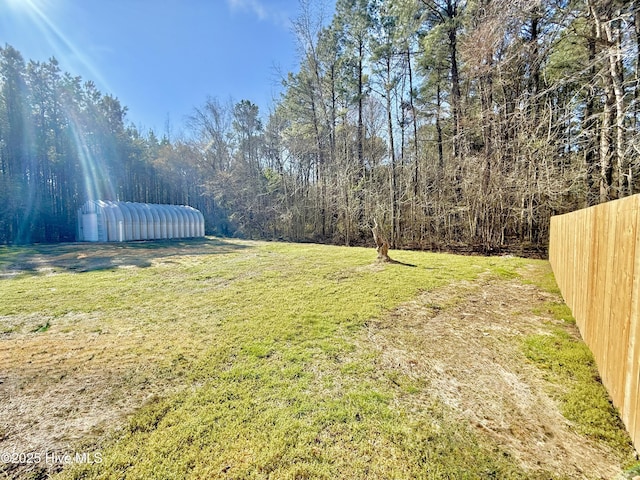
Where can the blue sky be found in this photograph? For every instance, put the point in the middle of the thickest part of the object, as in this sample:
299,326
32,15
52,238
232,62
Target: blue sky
161,58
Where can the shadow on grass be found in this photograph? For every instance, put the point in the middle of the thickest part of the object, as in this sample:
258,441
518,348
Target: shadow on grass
397,262
88,257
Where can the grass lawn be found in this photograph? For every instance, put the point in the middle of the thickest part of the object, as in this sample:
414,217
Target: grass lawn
236,359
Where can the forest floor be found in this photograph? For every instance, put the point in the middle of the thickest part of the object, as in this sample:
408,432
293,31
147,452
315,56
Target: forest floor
237,359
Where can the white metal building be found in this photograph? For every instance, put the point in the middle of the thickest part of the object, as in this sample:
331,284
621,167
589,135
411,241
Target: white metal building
104,221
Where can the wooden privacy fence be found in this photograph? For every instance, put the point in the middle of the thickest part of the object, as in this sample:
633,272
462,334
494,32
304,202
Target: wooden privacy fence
595,256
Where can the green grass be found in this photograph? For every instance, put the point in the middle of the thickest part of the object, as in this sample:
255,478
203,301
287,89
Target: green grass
571,368
584,400
258,342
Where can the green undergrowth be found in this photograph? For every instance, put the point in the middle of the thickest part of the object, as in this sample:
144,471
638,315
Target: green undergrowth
558,310
259,342
570,367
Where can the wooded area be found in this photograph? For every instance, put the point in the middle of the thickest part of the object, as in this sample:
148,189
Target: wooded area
458,124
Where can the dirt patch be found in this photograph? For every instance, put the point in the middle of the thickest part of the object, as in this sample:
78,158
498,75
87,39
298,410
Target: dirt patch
465,342
69,387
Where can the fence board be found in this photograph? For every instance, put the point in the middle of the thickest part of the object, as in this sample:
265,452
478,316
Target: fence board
595,256
631,415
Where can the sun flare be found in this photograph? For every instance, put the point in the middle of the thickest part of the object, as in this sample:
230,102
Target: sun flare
48,17
24,5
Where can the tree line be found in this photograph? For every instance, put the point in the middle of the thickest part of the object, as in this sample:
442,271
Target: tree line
455,124
62,142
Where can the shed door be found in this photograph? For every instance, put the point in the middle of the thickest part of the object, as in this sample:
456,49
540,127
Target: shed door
90,227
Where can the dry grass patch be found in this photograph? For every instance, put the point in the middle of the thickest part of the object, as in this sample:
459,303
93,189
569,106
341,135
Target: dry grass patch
469,352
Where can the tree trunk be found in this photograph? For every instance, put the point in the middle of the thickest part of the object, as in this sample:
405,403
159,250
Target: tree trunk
392,154
382,245
606,167
590,127
616,81
455,76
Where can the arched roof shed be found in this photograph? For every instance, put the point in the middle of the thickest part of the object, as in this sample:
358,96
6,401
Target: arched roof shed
106,221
